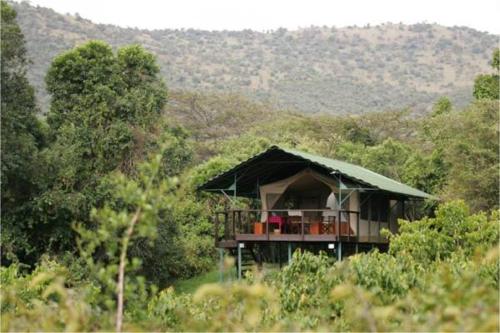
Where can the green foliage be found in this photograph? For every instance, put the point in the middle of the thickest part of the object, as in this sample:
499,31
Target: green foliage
487,86
301,283
22,136
443,105
450,285
105,116
453,230
108,114
131,216
43,301
467,142
387,277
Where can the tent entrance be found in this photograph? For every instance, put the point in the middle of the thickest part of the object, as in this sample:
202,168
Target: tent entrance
306,189
306,192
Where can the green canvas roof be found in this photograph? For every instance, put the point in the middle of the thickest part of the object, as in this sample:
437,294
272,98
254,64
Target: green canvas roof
278,162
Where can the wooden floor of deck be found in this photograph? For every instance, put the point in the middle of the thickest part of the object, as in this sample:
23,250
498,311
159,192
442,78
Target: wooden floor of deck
241,238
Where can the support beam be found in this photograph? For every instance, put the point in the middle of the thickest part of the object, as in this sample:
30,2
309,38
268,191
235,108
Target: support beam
221,265
239,260
289,253
357,248
339,252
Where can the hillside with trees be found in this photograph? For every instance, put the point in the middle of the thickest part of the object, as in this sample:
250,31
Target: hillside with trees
349,70
101,217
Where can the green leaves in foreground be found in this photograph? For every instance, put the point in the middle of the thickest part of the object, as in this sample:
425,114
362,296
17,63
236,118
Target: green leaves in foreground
137,206
450,285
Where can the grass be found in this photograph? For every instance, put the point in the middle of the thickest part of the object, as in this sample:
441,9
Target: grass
189,286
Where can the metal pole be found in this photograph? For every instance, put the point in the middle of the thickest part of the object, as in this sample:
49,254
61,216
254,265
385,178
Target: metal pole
357,248
339,252
221,265
302,225
289,253
239,261
340,191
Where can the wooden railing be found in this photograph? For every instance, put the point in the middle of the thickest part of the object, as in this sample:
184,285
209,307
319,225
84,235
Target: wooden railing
263,224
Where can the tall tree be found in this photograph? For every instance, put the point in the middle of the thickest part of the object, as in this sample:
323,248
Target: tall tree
21,137
105,115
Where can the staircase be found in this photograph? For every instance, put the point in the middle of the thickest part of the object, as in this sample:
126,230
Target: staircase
249,259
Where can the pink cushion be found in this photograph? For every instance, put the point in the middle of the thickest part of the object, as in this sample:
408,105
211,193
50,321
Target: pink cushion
276,219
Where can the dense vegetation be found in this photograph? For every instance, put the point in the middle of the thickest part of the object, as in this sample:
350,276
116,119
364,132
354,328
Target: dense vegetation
429,281
349,70
100,214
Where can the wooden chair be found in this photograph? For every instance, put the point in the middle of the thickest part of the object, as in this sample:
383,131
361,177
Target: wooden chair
294,224
329,221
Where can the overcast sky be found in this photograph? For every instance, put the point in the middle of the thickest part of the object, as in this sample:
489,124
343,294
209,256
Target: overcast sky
262,15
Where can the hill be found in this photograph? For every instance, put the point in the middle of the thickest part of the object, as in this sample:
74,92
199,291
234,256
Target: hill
348,70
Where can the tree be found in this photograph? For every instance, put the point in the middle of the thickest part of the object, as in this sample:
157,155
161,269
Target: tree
486,86
443,105
105,116
467,142
21,137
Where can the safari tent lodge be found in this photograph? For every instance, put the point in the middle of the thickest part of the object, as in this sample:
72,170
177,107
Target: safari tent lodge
304,200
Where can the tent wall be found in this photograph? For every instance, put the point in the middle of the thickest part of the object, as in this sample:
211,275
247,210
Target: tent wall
354,206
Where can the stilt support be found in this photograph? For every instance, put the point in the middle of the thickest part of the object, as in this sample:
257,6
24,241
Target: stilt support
357,248
221,265
289,253
339,252
240,245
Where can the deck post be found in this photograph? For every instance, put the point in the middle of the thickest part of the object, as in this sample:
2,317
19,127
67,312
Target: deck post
267,226
239,260
234,222
302,225
339,252
289,252
216,227
221,265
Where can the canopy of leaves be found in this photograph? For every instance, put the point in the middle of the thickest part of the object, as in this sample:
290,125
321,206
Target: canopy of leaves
21,138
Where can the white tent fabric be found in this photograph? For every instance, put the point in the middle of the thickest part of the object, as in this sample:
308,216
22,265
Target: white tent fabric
271,193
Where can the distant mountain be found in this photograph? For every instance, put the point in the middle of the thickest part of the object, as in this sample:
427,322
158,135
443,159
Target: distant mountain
318,69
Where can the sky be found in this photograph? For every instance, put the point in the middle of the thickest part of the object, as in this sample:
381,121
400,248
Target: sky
261,15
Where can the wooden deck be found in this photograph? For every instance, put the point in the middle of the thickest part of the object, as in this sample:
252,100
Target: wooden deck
238,229
252,238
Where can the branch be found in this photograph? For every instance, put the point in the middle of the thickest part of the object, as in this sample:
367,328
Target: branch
121,270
